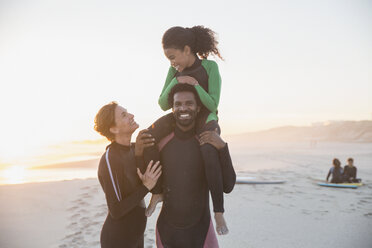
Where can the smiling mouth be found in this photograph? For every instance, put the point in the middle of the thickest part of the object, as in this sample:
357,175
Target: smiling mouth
177,67
184,116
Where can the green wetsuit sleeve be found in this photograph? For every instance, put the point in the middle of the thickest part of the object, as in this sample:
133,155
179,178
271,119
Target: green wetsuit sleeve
211,98
170,81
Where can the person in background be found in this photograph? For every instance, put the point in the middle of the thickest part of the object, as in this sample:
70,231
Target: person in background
336,171
350,172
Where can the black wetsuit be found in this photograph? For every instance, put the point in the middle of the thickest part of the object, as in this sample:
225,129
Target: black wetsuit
351,172
220,179
184,220
125,224
337,175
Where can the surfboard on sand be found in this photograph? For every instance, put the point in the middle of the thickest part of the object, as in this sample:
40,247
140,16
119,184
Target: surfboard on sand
355,184
339,185
249,180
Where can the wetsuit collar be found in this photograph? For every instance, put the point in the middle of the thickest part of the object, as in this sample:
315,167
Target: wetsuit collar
196,64
117,145
184,134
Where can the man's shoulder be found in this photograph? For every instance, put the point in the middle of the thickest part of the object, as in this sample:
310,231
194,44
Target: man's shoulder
163,142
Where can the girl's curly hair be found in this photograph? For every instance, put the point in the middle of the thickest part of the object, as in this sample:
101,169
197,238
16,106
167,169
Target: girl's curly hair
200,39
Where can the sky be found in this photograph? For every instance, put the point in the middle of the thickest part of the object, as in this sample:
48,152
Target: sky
285,63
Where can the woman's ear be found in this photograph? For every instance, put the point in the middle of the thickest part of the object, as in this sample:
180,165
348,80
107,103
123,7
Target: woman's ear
113,130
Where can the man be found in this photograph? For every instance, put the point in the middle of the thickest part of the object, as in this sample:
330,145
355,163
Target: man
185,219
350,172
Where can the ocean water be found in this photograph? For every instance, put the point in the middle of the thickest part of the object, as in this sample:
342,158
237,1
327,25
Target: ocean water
249,159
14,175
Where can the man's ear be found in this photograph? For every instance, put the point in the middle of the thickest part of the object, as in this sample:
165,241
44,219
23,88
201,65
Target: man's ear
198,109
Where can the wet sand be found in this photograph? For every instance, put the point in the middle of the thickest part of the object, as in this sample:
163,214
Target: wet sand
295,214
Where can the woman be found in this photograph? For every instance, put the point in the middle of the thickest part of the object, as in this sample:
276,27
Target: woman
336,171
123,183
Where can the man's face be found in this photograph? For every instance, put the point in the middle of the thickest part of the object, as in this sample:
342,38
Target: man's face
124,122
185,109
350,162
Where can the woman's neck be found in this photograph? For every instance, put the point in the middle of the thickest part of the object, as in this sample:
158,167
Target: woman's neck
123,140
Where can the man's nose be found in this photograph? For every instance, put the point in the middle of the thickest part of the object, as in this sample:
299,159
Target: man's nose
183,107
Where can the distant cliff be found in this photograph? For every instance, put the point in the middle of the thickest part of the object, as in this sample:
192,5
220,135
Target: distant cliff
335,131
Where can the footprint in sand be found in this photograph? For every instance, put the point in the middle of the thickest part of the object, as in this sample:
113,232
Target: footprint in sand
306,212
322,212
86,195
86,219
82,211
72,235
94,190
93,244
362,202
75,216
101,214
73,225
368,214
72,208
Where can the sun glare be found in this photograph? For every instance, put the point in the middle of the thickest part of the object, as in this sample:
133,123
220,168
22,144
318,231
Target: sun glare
14,174
16,156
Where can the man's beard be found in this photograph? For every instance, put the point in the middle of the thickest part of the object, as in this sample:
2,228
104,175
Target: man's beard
185,118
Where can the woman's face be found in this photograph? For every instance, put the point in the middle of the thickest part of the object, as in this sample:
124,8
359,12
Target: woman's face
124,121
179,59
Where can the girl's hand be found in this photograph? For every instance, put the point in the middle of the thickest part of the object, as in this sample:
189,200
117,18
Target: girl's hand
151,175
143,140
187,80
213,138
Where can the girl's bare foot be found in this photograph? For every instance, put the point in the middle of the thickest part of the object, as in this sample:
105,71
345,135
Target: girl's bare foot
221,226
155,199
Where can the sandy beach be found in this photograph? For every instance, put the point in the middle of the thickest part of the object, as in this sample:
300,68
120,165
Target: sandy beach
288,84
295,214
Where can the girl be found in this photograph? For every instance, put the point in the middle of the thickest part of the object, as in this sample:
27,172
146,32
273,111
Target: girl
187,50
336,172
